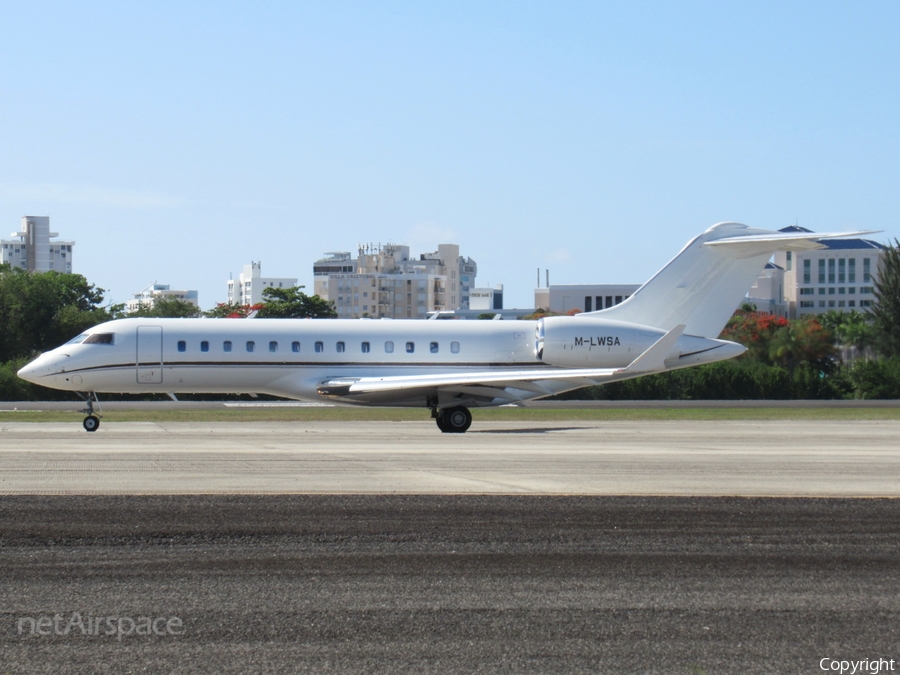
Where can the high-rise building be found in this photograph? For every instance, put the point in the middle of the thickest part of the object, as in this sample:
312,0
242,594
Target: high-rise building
32,250
337,262
385,281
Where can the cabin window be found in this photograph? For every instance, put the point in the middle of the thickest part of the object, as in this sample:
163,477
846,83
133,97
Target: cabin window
454,347
389,347
182,346
226,346
251,345
273,346
320,346
365,348
99,339
410,347
295,346
341,347
204,346
433,347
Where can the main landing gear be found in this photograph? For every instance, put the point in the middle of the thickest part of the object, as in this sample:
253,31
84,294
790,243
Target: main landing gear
92,421
454,420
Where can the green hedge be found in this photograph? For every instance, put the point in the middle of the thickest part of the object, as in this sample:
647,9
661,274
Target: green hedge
745,379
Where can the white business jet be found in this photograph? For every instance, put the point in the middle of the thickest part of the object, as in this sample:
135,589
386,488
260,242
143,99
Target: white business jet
447,366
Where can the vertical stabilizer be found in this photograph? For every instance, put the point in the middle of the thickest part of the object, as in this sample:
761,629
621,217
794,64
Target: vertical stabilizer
703,285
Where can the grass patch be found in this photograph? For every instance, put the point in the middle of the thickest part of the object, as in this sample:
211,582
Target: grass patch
485,414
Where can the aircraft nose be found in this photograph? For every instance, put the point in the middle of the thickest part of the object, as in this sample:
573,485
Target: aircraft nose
32,371
43,367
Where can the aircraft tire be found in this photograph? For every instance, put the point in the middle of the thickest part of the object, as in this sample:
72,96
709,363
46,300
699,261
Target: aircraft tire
457,420
442,425
91,423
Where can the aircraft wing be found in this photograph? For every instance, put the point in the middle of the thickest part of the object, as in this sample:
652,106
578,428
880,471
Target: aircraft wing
511,385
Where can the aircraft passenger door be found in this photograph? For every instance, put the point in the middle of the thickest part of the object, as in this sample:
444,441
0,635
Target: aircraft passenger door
149,354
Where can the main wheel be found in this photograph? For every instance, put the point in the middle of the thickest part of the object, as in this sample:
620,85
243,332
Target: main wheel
91,423
456,420
442,425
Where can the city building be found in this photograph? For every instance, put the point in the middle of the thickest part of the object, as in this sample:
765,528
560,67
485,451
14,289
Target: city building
248,288
32,249
584,298
385,281
154,292
338,262
486,299
838,277
460,272
767,292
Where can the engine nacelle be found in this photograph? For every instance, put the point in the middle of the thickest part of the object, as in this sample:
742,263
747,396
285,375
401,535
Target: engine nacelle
584,342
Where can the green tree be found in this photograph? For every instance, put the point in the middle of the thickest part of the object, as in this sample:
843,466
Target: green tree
293,303
802,341
850,329
886,310
167,308
42,310
754,330
231,310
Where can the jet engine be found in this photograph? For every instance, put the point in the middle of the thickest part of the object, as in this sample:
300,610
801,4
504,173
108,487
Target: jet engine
584,342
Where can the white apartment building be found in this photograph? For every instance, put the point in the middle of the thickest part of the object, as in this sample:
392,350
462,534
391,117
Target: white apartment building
150,295
385,281
838,277
249,286
32,250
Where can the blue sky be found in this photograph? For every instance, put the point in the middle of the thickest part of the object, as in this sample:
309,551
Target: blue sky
176,142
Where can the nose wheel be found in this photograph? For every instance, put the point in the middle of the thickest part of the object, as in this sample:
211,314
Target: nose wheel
92,421
454,420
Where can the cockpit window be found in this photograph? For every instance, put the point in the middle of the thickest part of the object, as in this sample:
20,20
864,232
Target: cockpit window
77,340
100,339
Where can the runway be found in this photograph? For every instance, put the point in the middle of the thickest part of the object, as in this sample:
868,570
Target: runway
683,458
582,547
446,584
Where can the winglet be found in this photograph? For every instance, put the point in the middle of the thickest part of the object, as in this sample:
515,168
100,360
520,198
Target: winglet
655,357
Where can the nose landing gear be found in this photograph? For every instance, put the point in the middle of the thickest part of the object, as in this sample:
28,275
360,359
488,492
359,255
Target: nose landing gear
92,421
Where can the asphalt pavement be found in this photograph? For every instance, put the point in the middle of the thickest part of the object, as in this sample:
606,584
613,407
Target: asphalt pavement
446,584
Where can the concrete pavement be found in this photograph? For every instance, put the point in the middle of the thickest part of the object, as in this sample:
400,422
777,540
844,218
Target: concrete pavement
748,458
